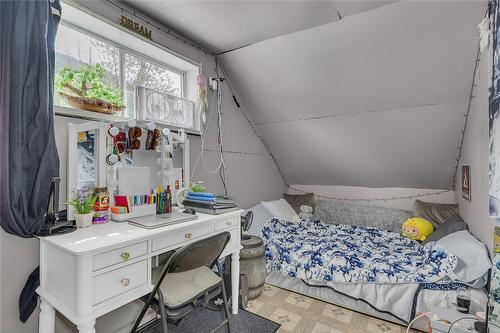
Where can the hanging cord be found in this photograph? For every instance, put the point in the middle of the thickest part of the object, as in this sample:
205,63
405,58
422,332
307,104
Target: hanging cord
415,196
216,101
204,132
459,320
252,125
222,170
425,314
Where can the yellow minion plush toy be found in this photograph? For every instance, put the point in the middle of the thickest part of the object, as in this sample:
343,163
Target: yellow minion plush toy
417,228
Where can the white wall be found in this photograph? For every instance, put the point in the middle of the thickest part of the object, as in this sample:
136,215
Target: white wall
352,192
252,176
476,153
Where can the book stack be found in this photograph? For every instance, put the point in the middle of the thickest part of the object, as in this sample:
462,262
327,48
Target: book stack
210,203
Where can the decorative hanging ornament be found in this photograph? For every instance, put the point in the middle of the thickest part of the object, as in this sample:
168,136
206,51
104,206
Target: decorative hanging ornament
202,97
484,33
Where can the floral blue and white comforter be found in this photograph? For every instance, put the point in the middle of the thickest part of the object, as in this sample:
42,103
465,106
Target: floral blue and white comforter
346,253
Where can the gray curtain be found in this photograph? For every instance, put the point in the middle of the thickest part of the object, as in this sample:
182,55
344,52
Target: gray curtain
29,158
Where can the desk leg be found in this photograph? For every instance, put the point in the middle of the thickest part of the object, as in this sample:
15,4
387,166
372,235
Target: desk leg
235,280
47,317
87,327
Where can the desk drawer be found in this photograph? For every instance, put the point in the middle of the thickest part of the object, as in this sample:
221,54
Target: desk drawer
122,254
226,223
181,237
119,281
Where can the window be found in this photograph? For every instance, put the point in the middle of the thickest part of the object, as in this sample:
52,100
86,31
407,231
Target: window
139,72
75,49
123,68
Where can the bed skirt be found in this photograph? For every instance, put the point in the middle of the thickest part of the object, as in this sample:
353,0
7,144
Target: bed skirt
424,300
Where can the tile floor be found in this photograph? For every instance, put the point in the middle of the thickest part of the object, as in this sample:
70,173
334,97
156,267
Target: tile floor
301,314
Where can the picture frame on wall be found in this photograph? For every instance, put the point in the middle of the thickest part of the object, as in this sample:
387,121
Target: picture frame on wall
466,190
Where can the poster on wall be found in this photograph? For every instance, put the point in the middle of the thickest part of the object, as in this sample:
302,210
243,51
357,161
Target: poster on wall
494,114
466,182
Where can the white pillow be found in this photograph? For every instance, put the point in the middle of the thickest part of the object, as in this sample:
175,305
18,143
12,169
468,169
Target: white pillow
281,209
473,260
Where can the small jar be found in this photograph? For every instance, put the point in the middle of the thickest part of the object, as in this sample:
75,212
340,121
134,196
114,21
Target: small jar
101,206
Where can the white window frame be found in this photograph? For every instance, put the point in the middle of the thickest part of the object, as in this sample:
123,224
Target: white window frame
80,19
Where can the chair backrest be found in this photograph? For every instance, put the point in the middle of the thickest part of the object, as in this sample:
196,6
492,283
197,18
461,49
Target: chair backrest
203,252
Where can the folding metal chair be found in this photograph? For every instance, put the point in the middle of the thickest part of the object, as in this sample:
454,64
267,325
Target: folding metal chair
186,282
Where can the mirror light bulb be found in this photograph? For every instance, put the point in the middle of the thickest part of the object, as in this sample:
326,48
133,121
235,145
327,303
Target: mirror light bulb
113,131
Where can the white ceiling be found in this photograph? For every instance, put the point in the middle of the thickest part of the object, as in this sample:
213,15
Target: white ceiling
411,61
226,25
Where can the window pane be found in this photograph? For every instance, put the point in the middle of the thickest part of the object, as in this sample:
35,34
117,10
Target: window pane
75,49
139,72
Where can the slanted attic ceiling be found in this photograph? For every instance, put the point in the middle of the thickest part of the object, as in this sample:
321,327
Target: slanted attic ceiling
375,99
225,25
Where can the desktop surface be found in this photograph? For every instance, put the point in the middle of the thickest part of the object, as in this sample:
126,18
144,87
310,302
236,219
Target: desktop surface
99,236
162,220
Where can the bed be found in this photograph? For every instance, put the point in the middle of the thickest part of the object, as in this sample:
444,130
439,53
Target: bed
371,270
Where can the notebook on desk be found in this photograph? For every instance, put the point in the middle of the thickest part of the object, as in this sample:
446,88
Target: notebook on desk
162,220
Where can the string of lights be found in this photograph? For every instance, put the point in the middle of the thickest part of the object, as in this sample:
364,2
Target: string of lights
170,32
414,196
464,129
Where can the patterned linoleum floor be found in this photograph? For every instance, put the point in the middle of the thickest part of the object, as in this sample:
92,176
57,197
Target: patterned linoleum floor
301,314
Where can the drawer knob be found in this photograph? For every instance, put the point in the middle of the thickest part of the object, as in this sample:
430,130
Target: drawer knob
229,223
125,282
125,256
188,235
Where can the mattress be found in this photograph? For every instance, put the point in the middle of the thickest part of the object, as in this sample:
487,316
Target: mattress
425,300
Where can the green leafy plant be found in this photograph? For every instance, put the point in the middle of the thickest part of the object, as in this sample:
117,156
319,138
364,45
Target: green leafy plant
83,205
197,187
87,81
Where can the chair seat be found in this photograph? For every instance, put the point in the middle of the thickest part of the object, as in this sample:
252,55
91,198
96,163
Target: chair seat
180,288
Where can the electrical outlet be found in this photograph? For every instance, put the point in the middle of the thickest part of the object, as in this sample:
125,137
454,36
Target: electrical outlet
212,83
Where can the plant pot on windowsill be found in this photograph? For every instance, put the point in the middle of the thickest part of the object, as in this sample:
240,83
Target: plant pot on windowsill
84,220
91,104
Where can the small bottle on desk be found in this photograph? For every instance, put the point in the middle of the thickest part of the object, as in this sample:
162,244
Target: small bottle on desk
169,200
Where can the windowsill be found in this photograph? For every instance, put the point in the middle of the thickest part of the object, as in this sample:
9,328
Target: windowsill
65,111
88,115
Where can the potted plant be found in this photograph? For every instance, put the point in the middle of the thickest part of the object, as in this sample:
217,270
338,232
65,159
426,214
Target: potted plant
84,209
85,88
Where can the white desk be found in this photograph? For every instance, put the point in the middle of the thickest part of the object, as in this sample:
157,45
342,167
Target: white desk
95,270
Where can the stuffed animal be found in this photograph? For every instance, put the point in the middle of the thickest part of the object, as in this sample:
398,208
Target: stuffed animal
417,228
306,213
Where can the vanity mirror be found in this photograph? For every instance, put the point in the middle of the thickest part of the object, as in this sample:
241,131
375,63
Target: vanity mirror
86,159
142,144
97,150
